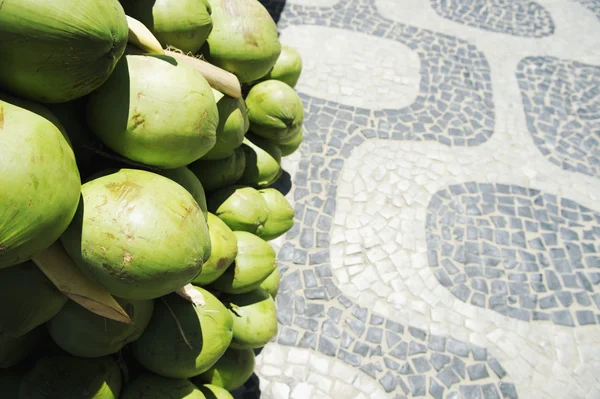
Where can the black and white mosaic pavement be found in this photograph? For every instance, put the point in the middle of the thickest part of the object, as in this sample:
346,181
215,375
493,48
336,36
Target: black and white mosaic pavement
561,99
454,105
592,5
514,17
518,251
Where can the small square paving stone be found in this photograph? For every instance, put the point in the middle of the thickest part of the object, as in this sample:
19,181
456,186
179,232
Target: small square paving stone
508,390
406,369
360,313
388,382
435,389
490,391
417,333
458,366
479,353
563,318
448,377
361,348
308,340
327,347
585,317
437,343
345,301
347,340
400,351
350,358
376,351
417,385
288,336
369,369
331,329
391,364
374,335
439,360
458,348
495,366
335,314
471,392
392,338
310,280
376,320
396,327
314,310
477,371
416,348
357,326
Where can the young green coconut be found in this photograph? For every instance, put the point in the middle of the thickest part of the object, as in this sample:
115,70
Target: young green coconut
85,334
57,51
223,251
281,214
138,234
38,175
184,24
188,180
230,372
156,111
70,377
184,340
254,318
263,160
21,311
15,350
271,283
233,125
275,111
241,208
255,261
288,67
217,174
214,392
244,39
152,386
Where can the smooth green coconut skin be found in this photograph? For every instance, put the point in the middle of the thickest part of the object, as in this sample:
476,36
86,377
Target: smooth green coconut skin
56,51
244,39
271,283
152,386
288,67
255,261
21,311
156,111
39,179
184,24
241,208
214,392
188,180
85,334
281,214
138,234
290,145
223,245
220,173
14,350
70,377
230,372
163,349
275,111
263,160
254,318
233,125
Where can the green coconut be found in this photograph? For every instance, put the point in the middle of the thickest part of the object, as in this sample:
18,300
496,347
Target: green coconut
152,386
241,208
255,261
220,173
223,251
271,283
184,340
214,392
233,125
275,111
9,384
231,371
288,67
138,234
184,24
14,350
263,160
85,334
39,179
281,214
188,180
24,309
290,145
155,110
56,51
70,377
244,39
254,318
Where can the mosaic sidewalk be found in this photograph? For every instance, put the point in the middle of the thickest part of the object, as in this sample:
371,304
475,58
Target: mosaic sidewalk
447,236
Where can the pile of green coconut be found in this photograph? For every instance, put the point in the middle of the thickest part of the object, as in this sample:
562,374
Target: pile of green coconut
140,144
